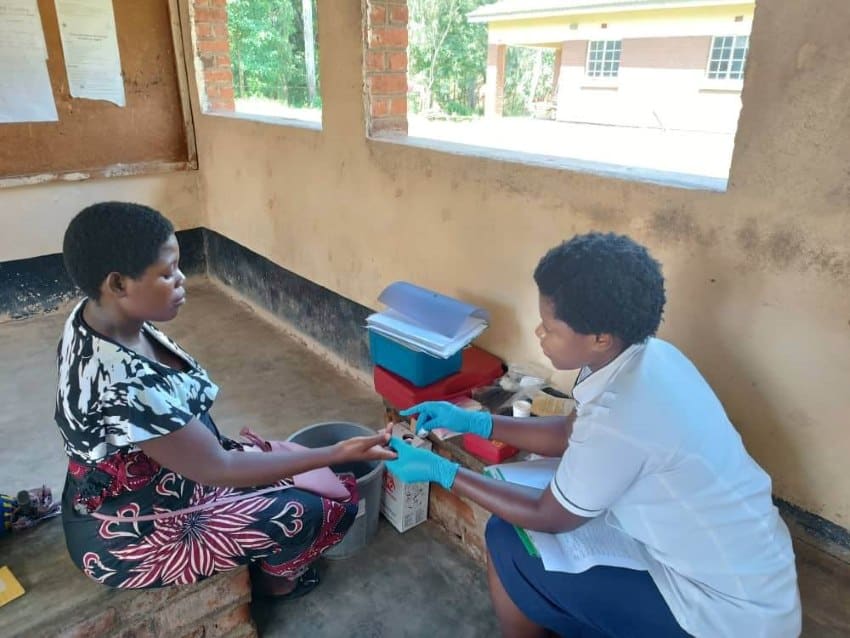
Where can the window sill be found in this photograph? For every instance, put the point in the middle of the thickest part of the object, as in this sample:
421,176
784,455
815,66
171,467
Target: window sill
599,169
268,119
721,86
604,84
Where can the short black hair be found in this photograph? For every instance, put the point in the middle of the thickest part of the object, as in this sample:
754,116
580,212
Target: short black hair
112,237
603,283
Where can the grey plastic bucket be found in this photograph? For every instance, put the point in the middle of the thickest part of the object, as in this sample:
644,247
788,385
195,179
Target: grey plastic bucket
369,475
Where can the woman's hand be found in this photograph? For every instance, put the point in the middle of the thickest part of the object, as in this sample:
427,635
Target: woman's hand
195,453
366,448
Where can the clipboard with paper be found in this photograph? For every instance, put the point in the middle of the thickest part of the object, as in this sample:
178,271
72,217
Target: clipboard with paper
426,321
594,543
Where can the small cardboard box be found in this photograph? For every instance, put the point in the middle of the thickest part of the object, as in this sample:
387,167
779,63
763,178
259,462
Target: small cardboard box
405,505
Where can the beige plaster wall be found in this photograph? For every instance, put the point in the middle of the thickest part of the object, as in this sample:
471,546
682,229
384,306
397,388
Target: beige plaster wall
33,218
667,53
758,277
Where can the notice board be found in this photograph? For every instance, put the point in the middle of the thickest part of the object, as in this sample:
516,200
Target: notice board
94,138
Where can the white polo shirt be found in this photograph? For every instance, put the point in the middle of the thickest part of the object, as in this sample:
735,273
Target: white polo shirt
653,449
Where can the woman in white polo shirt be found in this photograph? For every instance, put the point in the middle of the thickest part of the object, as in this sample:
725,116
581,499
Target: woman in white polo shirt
650,448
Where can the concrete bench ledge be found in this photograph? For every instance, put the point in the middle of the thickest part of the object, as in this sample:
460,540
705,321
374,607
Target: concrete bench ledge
61,601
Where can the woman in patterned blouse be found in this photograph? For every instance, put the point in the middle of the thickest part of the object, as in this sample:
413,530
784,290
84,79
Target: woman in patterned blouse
155,495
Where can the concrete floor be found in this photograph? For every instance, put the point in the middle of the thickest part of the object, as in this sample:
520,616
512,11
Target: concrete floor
415,584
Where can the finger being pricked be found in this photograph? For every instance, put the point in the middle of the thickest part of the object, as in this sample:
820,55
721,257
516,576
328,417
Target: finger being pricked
381,453
378,440
378,449
361,446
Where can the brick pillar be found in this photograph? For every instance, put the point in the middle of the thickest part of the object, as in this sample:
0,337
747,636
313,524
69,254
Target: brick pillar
385,66
494,97
212,47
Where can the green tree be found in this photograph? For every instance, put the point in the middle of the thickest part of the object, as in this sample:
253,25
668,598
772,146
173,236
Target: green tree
448,62
528,78
448,55
267,50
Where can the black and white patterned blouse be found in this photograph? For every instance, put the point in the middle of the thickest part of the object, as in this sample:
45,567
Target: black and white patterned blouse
110,398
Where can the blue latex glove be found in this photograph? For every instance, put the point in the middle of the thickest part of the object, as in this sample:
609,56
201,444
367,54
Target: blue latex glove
415,465
442,414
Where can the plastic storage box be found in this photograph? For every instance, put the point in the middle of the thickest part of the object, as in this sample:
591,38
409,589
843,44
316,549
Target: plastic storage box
417,367
478,368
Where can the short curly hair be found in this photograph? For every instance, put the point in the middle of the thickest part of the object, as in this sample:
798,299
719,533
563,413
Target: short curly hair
112,237
603,283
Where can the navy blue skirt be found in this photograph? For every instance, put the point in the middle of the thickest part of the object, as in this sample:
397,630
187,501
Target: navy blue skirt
603,601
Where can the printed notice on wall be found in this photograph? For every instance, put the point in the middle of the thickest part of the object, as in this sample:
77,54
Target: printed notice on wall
20,29
25,92
90,45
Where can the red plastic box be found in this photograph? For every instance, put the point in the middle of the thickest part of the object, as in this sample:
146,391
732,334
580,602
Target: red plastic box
488,450
479,368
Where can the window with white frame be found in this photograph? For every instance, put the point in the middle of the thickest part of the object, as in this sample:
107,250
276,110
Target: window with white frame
728,57
603,58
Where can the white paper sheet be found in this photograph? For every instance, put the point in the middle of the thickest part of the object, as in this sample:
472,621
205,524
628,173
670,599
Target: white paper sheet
90,44
25,91
21,34
594,543
426,321
395,326
431,310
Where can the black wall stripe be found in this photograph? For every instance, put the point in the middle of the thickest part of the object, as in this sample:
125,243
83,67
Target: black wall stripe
331,319
40,284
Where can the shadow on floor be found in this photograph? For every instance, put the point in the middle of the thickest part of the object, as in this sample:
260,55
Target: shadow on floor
400,585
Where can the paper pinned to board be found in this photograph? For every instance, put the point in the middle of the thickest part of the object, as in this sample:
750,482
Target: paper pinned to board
25,91
594,543
90,45
21,33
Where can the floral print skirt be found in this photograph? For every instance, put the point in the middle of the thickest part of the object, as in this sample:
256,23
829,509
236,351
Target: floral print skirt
282,531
